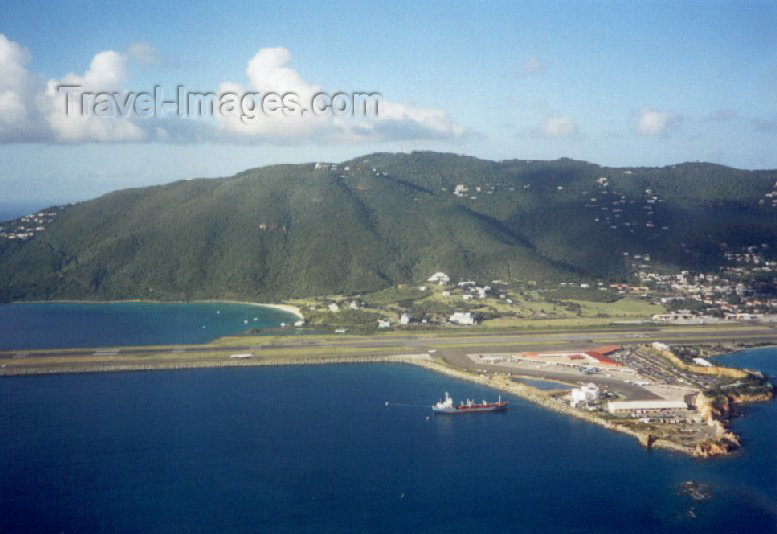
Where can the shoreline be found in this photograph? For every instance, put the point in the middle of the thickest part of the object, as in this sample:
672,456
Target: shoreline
496,382
711,437
538,397
288,308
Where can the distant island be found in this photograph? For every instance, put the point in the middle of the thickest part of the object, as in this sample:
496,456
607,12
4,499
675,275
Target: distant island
497,272
382,220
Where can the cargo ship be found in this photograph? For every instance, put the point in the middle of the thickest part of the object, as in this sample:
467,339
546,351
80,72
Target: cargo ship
446,406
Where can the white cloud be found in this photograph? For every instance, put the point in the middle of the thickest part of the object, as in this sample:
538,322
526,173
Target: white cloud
32,109
143,53
654,123
559,127
12,109
17,88
532,66
267,72
12,60
107,72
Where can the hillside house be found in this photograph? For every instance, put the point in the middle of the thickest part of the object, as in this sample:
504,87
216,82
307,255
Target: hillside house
462,318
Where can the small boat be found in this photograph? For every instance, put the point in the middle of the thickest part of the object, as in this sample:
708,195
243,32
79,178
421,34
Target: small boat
446,406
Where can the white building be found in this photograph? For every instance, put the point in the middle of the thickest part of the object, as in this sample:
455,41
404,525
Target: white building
354,305
404,319
744,316
439,278
334,308
586,393
483,291
384,323
679,316
648,406
460,189
464,318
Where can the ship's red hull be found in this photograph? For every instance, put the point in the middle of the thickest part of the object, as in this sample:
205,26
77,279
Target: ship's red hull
473,408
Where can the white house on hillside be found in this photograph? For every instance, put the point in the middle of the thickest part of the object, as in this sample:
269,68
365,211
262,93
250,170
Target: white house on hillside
463,318
439,278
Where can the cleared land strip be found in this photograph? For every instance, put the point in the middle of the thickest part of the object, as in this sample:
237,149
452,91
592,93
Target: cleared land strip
442,339
303,348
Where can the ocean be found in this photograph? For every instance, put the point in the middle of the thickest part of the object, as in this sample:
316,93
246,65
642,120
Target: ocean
74,325
13,210
316,449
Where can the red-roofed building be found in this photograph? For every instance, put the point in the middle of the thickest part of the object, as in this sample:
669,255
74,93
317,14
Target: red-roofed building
601,358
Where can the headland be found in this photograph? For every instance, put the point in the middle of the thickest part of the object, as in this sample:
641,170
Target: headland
640,382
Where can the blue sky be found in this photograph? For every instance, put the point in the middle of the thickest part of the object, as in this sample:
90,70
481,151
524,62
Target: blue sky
615,83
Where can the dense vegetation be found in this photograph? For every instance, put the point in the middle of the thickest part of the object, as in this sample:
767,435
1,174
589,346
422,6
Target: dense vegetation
292,230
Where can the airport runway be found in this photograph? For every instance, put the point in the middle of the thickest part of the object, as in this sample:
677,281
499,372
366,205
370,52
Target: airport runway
480,342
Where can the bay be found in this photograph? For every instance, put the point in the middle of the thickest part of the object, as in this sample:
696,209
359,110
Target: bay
315,449
41,325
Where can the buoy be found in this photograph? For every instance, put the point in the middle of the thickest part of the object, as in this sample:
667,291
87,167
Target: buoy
387,403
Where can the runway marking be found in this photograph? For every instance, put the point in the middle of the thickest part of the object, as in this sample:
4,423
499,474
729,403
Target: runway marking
108,352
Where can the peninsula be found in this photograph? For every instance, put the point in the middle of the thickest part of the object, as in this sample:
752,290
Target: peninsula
627,380
615,283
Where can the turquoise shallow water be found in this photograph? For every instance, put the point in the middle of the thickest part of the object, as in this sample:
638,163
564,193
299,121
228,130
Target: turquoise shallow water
66,324
315,449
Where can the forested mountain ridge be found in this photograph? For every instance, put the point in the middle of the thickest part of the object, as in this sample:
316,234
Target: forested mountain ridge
384,219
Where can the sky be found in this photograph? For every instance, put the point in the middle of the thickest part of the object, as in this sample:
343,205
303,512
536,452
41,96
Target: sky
615,83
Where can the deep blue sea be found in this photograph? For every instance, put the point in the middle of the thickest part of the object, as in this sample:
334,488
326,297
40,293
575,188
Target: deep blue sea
315,449
65,324
13,210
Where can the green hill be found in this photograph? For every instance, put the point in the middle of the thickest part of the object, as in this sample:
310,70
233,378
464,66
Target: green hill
383,219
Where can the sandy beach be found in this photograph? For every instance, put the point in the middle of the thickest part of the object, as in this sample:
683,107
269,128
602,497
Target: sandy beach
294,310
